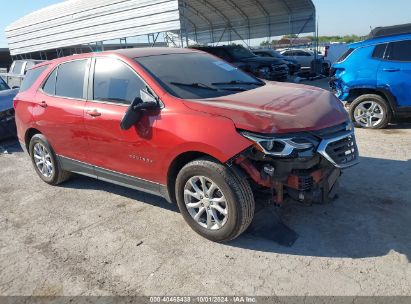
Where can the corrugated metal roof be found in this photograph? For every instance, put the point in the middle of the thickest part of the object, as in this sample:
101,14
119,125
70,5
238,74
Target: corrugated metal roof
75,22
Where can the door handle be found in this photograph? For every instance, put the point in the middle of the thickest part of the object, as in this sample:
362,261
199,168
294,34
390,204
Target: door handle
93,113
391,70
43,104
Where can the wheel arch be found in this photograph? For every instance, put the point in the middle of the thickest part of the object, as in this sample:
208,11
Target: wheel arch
383,92
177,164
29,135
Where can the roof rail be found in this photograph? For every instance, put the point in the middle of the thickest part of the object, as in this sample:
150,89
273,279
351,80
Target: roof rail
387,31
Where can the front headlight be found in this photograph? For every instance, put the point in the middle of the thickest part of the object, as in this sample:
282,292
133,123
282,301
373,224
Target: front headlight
278,146
264,71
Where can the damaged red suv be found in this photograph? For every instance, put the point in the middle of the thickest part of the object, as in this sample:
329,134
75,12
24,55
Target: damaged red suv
185,125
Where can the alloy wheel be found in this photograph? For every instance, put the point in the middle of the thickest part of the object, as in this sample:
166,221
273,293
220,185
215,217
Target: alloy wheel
369,114
42,159
205,202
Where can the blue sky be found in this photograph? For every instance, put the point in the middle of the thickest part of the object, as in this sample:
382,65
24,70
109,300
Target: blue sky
336,17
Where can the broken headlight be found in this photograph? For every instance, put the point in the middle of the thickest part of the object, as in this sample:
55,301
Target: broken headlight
279,146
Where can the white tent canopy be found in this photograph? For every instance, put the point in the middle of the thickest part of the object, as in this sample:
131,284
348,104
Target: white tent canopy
76,22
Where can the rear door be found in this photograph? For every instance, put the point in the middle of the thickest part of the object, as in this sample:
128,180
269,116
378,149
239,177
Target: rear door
114,85
60,106
395,71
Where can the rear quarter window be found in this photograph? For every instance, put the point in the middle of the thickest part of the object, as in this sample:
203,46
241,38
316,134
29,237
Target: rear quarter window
49,86
31,77
379,51
345,55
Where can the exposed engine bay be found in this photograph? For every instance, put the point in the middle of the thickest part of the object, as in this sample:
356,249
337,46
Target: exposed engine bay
304,166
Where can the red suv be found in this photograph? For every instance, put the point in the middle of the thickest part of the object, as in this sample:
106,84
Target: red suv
187,126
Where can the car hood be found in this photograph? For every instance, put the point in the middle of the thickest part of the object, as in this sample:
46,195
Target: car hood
6,99
264,60
277,108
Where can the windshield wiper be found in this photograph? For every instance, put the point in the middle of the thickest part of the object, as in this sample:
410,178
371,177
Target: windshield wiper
237,82
239,89
194,85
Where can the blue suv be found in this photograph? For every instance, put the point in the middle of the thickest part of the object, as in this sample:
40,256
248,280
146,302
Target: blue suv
373,79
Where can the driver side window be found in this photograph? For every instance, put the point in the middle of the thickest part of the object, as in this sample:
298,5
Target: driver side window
115,82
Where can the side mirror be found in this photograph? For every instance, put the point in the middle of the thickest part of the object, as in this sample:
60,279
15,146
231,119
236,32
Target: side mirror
135,111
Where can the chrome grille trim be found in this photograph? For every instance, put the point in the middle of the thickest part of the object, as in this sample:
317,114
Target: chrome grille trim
352,148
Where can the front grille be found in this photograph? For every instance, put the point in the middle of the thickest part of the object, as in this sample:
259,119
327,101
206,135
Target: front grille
305,183
338,145
279,68
343,151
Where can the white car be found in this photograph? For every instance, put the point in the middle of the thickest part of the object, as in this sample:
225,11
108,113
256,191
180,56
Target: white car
304,57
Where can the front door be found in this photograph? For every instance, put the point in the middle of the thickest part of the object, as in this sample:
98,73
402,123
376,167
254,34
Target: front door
395,71
117,154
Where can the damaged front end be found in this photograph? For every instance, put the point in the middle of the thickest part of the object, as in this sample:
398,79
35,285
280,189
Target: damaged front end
305,166
7,124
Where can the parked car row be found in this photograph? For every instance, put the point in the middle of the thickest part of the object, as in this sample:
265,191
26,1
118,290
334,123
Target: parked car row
17,72
7,124
293,65
303,57
269,68
187,126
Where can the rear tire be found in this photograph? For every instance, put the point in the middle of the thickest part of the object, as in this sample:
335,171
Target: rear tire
229,206
370,111
45,161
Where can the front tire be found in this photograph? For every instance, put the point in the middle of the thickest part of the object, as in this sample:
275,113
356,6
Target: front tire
45,161
370,111
214,200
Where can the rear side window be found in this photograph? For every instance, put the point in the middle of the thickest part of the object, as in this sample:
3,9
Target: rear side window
302,53
70,79
379,51
49,86
31,77
345,55
114,81
400,51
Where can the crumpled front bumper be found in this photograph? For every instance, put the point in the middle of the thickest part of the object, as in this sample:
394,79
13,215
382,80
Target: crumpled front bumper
307,176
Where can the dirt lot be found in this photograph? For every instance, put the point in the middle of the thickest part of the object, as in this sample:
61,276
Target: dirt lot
88,237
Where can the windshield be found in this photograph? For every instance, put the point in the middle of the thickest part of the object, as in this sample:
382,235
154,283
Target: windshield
3,85
197,75
240,52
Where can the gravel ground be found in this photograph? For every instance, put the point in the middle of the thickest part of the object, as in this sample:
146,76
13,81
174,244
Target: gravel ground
87,237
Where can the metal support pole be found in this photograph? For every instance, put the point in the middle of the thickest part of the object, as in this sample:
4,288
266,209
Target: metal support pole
155,39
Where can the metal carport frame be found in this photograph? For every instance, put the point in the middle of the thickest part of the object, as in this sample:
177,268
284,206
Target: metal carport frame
211,21
77,22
